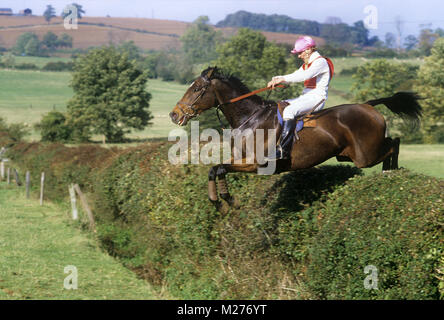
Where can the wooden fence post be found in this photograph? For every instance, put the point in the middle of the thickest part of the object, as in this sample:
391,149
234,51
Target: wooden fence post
8,175
85,207
17,178
2,170
72,195
28,183
42,184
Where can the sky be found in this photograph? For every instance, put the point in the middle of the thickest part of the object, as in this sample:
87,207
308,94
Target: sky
413,13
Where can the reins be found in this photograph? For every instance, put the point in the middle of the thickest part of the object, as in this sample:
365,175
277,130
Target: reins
240,98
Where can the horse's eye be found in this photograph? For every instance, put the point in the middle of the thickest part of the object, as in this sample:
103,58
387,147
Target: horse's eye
196,89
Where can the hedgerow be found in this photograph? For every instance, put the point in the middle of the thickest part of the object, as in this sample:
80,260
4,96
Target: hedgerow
298,235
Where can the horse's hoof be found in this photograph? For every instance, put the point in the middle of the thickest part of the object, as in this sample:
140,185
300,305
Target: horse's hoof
217,204
232,201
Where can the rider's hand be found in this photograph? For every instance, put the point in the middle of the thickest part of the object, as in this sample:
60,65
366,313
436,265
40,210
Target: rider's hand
275,81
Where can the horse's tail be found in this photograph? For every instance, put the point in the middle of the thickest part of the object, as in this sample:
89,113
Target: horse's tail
404,104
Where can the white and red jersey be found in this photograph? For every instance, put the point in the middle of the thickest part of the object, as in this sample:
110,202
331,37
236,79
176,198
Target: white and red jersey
316,75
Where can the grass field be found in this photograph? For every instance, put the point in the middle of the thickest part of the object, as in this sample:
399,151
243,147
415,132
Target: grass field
425,159
26,95
38,242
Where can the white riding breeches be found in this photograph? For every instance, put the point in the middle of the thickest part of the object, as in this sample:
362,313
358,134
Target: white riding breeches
302,104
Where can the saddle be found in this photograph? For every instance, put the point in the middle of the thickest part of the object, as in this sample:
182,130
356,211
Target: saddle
305,120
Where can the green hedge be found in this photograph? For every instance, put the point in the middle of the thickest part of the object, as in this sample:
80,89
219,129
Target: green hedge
298,235
391,221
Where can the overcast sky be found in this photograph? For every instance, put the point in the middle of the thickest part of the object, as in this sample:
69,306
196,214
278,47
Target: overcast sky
413,13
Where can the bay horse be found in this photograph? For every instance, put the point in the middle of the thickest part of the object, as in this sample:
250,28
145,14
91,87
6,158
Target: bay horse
349,132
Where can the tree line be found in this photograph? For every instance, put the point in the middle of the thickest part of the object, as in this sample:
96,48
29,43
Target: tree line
335,32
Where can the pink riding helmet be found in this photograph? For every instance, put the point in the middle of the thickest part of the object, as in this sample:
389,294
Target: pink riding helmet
303,43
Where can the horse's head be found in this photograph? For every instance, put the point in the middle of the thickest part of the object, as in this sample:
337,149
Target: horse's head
199,97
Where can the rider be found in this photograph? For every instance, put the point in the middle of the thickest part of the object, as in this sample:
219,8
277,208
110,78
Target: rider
316,73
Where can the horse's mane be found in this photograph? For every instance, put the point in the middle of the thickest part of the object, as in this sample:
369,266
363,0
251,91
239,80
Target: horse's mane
232,81
229,78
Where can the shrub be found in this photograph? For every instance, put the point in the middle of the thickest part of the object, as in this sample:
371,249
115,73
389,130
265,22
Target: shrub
391,221
53,127
58,66
26,66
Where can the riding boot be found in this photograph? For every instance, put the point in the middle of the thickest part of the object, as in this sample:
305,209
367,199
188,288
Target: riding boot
283,150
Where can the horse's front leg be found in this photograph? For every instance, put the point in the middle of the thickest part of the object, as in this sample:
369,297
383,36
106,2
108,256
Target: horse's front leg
223,185
212,191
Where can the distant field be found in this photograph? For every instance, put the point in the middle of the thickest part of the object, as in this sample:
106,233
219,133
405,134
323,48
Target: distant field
26,95
427,159
148,34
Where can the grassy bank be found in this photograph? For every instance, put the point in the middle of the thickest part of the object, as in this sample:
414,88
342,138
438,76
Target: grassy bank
38,242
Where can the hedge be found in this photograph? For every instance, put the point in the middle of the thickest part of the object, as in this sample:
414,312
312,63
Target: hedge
299,235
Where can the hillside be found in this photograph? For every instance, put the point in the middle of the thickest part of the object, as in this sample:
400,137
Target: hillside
148,34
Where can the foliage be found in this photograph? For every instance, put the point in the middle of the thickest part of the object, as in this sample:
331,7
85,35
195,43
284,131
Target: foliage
58,66
21,45
109,95
200,40
29,44
67,12
12,133
26,66
8,60
334,51
380,78
156,218
274,23
338,33
431,86
250,57
381,53
49,13
393,222
53,127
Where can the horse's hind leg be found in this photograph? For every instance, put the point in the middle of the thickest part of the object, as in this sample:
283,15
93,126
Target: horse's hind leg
390,154
395,154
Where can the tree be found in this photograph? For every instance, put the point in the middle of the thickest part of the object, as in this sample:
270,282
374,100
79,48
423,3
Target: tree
49,13
254,60
32,48
53,127
67,11
65,40
410,42
200,41
426,39
431,88
381,78
390,40
22,41
109,95
50,40
247,56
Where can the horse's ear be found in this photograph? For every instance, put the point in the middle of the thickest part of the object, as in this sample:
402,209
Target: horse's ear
210,73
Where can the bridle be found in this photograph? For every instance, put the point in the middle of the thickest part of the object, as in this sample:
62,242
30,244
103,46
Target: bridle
196,112
192,105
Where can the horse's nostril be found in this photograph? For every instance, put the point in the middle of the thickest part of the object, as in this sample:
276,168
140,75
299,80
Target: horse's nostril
173,116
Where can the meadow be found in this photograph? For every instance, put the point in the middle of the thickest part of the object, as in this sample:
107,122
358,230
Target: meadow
38,242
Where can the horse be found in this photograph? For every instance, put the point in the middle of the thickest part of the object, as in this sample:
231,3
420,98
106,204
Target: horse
349,132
